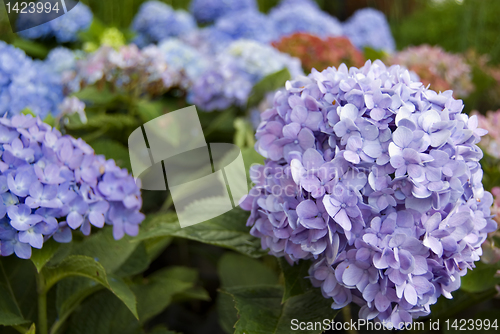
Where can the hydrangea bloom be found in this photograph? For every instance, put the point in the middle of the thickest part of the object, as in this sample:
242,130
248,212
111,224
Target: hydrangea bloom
209,40
25,83
247,24
318,53
440,69
183,58
157,20
64,28
51,184
129,70
369,27
377,179
235,71
63,62
303,17
206,11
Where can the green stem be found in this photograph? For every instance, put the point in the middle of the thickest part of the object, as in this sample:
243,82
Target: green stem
42,304
346,314
20,329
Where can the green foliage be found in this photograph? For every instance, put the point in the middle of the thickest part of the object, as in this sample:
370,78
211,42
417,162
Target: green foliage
481,278
10,312
228,230
268,84
40,257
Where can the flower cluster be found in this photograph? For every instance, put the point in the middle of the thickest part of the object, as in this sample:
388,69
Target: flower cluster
442,70
235,71
25,83
206,11
247,24
318,53
128,69
299,16
157,20
64,28
51,184
368,27
377,179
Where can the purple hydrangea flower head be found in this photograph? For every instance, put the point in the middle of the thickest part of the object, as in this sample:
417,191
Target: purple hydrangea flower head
299,16
368,27
25,83
240,66
247,24
156,21
206,11
64,28
377,180
51,184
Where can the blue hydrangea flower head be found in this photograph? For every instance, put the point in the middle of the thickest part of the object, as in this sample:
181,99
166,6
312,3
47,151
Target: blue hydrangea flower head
206,11
183,58
51,184
26,83
377,180
64,28
236,70
299,16
369,27
156,21
247,24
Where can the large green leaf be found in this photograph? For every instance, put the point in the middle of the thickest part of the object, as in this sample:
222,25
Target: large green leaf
268,84
239,270
84,266
40,257
296,281
156,292
228,230
481,278
103,313
261,311
10,312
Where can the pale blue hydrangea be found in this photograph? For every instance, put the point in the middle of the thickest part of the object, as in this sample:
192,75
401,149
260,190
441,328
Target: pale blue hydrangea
156,21
206,11
183,58
368,27
298,16
25,83
376,179
247,24
64,28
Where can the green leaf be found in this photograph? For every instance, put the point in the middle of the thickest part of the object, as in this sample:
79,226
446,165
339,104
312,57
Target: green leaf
96,96
71,292
33,49
260,309
462,300
40,257
481,278
155,246
373,54
103,313
32,329
113,149
267,84
149,110
296,281
110,253
78,265
136,263
10,312
228,230
158,289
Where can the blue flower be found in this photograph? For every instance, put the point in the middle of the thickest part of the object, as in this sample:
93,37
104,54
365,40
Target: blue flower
368,27
64,28
51,184
247,24
156,21
303,17
206,11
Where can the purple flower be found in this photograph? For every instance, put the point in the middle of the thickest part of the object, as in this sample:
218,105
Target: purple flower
385,188
51,184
